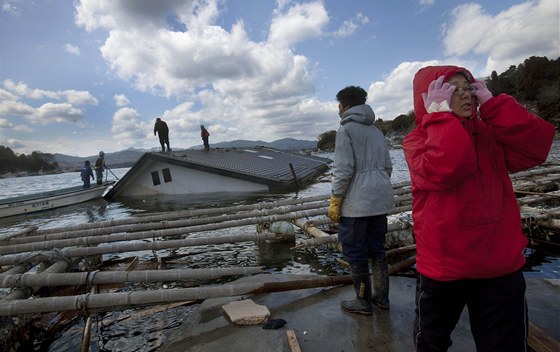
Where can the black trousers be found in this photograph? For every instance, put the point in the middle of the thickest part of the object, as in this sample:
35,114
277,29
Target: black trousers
497,312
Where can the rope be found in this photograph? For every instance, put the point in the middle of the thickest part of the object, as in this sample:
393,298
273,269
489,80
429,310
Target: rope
89,279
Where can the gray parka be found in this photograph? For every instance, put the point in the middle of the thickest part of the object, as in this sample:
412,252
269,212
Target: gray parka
362,166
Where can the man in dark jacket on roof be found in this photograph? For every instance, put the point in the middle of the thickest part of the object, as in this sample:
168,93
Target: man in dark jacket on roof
160,127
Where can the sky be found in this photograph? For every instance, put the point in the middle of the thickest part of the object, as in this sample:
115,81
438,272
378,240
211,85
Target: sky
81,76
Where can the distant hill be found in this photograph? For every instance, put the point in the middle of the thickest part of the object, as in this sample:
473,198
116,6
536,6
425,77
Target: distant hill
127,157
282,144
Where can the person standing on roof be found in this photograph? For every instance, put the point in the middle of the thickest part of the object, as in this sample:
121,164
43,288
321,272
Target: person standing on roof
100,167
361,197
467,225
160,127
204,134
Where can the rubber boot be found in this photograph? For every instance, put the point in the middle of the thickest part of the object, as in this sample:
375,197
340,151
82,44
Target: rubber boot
380,278
362,286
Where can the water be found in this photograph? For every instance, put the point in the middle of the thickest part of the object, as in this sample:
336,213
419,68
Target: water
143,330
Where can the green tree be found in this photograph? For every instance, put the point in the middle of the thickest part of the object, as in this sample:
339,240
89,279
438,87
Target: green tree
326,141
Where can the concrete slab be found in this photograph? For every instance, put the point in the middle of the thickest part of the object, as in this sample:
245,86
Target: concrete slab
320,325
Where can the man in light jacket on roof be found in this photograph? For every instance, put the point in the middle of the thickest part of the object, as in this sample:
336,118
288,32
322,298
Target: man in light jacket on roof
362,195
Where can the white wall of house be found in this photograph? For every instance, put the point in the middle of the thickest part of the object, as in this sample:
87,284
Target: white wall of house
183,181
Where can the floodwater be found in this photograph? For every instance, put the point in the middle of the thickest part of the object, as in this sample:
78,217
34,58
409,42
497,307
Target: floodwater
143,329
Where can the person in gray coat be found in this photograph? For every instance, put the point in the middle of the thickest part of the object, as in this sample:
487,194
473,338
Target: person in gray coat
361,197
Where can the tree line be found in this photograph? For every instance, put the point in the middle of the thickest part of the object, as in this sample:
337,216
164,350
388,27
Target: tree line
34,162
535,83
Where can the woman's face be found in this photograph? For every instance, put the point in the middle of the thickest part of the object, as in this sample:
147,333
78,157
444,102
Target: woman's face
461,104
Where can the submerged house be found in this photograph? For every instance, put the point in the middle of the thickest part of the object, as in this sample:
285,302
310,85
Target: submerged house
256,169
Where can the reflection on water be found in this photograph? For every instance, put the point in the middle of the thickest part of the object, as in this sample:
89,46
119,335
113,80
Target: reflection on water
143,329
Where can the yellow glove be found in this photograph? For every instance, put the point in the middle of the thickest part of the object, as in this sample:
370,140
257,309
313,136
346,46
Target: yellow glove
334,209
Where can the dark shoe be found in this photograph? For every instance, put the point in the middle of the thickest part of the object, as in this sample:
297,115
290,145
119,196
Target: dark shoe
357,306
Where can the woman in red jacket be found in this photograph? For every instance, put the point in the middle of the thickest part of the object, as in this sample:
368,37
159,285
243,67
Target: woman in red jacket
467,224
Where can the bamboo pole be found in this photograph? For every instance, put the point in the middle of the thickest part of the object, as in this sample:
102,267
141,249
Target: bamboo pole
26,291
92,240
7,236
143,227
151,217
71,252
120,300
121,277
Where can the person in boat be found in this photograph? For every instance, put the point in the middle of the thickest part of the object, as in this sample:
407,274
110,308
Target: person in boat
361,197
100,167
204,134
160,127
86,173
467,224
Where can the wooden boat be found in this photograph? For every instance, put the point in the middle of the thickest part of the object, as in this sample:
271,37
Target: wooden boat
50,199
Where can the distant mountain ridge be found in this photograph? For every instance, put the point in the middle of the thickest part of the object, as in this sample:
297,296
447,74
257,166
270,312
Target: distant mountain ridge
127,157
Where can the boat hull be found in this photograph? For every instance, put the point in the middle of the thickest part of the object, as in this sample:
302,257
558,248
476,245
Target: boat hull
50,200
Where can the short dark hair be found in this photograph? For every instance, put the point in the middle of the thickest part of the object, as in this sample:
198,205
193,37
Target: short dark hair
352,96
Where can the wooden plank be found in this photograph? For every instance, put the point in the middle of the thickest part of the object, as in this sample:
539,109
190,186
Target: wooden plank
292,341
539,341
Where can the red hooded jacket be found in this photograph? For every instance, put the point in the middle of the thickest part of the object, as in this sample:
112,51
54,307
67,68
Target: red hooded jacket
466,218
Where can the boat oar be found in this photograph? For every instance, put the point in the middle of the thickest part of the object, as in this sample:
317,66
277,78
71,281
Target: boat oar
111,172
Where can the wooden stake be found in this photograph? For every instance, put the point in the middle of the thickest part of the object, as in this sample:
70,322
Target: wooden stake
292,341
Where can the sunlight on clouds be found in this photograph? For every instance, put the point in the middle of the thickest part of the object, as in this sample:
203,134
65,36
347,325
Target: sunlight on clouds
508,38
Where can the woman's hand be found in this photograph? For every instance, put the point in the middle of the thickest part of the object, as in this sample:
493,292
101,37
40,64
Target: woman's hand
482,93
439,95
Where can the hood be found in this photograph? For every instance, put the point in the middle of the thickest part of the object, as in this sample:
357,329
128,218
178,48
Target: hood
360,113
424,77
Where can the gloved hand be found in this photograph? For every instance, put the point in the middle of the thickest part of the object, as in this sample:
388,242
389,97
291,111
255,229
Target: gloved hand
334,208
482,93
439,95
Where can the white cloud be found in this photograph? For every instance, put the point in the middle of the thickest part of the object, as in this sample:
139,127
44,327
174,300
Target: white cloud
498,37
259,85
300,22
128,128
12,104
74,50
71,96
7,125
348,27
121,100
